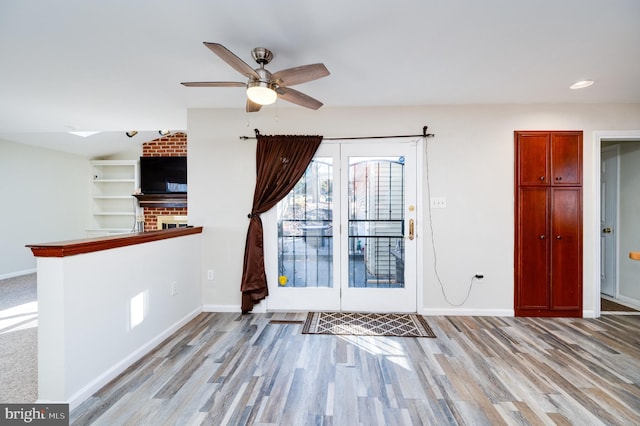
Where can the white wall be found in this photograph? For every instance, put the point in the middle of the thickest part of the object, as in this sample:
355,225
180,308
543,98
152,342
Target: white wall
133,153
84,333
44,197
470,163
629,278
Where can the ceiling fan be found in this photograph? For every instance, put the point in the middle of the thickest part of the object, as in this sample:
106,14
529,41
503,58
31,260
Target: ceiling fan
263,88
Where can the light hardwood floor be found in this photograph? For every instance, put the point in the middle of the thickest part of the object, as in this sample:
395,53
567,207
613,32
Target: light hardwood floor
234,369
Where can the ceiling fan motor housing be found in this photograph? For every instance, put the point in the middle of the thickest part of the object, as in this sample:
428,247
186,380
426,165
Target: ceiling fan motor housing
265,76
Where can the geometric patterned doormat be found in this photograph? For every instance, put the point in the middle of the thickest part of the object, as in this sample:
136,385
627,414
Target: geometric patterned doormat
367,324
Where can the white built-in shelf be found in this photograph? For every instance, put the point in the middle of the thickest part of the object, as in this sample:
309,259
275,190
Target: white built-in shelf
112,230
113,180
113,184
103,232
112,197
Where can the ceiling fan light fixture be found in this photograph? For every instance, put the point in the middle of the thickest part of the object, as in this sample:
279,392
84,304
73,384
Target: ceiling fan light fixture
261,92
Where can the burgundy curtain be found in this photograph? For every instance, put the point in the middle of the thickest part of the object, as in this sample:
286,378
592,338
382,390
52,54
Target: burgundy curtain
280,163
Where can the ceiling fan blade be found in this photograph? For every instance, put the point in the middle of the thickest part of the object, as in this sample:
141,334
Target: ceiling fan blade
214,84
299,98
301,74
229,57
252,106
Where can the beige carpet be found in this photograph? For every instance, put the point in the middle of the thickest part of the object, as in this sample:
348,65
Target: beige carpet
367,324
18,340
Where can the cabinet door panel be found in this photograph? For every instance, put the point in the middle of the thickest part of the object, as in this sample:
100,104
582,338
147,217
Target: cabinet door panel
566,248
532,249
532,151
566,158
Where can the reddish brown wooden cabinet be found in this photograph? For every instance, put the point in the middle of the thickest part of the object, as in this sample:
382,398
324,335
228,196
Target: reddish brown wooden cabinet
548,229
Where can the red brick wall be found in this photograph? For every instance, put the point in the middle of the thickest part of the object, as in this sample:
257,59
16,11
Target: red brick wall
151,215
173,145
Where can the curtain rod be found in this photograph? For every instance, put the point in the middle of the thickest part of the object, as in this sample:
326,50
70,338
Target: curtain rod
424,134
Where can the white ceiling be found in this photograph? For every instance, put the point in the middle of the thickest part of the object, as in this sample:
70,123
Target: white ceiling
116,65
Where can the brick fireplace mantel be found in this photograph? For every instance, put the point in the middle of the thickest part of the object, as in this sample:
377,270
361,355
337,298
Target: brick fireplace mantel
162,200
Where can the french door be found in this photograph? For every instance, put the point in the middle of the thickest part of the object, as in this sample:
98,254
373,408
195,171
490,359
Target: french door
345,237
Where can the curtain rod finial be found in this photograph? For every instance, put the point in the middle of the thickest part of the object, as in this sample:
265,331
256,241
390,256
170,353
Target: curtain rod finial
257,132
425,134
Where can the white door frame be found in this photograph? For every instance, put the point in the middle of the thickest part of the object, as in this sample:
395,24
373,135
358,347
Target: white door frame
593,223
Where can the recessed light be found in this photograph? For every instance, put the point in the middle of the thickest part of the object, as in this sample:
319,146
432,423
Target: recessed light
84,134
581,84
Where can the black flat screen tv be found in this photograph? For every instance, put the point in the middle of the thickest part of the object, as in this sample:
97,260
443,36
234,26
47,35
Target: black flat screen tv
163,175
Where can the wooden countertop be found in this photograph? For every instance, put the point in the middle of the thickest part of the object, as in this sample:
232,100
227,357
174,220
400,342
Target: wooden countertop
89,245
635,255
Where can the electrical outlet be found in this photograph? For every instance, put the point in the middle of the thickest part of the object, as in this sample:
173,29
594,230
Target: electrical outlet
210,275
174,288
438,202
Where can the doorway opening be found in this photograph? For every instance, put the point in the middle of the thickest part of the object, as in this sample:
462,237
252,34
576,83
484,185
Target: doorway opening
619,159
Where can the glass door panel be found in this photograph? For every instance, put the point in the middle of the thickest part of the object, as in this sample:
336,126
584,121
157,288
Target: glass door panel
305,229
376,222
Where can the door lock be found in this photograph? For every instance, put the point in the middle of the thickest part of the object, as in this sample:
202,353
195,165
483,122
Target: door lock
411,230
607,230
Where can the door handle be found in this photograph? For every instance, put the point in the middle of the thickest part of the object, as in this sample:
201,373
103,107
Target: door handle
607,230
411,229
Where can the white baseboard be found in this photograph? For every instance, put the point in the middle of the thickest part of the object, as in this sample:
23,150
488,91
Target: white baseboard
96,384
485,312
18,273
221,308
260,308
630,302
468,312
